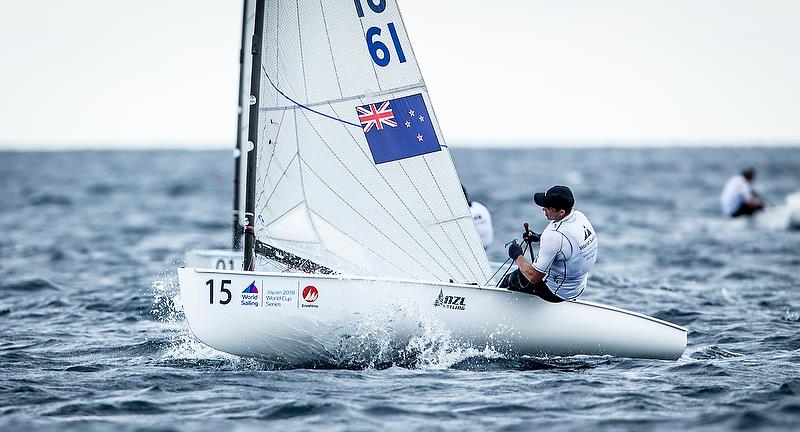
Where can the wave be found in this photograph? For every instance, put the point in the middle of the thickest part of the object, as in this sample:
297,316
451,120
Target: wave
35,284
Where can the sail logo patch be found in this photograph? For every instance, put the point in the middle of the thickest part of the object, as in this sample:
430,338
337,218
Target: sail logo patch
250,296
398,128
450,302
310,295
252,289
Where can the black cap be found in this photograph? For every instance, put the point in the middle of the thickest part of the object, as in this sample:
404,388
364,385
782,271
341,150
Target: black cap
559,197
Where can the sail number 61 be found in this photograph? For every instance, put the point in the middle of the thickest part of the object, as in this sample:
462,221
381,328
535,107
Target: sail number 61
376,46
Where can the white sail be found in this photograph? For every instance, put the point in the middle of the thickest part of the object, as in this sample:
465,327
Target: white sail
369,190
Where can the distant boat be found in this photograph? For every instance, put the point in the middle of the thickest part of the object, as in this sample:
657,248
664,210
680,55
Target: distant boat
350,180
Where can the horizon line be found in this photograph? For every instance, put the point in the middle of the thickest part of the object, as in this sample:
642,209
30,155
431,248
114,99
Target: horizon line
470,144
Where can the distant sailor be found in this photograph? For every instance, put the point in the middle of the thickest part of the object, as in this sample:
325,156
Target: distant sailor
738,197
482,219
567,251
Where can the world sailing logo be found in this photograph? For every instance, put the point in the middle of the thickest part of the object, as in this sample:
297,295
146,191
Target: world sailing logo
450,302
252,289
310,295
397,129
250,296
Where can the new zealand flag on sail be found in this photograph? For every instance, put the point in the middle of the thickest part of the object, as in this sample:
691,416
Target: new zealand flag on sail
398,128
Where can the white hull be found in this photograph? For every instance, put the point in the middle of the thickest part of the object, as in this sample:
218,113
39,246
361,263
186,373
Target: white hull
279,324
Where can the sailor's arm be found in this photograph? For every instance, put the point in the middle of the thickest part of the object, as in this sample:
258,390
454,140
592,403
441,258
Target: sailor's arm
527,270
549,245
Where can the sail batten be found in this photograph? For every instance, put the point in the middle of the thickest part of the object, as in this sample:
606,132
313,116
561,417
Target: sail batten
354,173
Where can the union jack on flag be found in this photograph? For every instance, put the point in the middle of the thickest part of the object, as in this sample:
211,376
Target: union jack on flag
370,116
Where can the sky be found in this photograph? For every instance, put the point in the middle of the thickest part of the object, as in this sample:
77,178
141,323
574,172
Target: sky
164,73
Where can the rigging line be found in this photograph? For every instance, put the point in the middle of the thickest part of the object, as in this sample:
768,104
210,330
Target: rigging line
304,106
495,273
378,201
524,249
300,41
388,184
370,223
330,48
362,245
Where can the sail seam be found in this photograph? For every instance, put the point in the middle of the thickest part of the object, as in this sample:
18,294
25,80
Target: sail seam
302,182
302,62
379,203
389,238
277,218
360,97
272,154
362,245
422,198
278,182
372,63
330,48
277,42
452,214
388,184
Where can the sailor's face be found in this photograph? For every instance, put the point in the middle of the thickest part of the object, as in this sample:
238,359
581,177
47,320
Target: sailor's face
552,214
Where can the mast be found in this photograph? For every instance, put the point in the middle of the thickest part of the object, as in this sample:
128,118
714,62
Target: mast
252,145
237,157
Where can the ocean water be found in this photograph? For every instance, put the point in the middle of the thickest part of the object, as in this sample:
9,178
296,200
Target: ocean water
92,336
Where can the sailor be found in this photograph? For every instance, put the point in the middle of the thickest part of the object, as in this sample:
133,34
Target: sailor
567,251
738,197
482,219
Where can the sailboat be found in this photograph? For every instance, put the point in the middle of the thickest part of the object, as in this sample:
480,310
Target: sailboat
349,178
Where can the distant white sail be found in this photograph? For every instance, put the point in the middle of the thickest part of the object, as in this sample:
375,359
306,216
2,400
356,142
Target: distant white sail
353,171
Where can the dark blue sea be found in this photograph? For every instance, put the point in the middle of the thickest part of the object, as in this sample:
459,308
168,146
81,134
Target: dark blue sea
92,337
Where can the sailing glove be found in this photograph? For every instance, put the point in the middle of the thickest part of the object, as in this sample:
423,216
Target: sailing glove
531,237
514,250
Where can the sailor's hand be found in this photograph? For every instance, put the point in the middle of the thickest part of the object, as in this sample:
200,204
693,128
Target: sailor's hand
531,237
514,250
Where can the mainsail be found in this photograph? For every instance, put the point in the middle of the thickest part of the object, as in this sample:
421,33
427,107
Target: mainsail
352,170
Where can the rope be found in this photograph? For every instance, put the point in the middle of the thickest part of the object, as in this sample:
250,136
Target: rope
509,267
303,106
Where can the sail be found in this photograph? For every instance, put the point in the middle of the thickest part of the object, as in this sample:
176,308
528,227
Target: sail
245,64
352,169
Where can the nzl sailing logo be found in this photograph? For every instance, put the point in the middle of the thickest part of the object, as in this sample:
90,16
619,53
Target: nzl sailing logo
450,302
310,295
